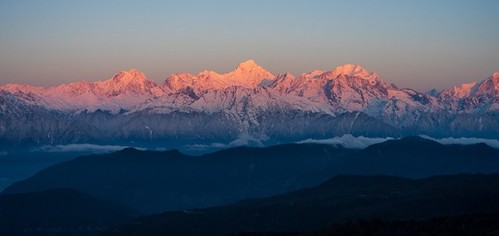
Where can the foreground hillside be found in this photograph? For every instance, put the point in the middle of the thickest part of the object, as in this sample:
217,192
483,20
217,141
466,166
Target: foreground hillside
59,212
340,199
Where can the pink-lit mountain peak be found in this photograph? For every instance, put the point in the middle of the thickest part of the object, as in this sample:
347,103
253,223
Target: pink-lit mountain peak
490,85
353,70
132,75
127,82
314,73
250,67
495,79
247,74
463,90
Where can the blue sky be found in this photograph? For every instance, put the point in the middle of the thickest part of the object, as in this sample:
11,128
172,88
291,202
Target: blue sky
417,44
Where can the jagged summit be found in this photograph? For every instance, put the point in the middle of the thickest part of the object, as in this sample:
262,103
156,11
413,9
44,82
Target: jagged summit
248,74
314,73
129,76
217,108
348,87
495,80
249,64
489,86
350,70
463,90
250,67
209,73
353,70
132,82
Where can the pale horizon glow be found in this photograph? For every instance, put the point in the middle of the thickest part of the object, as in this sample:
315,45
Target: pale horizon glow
417,44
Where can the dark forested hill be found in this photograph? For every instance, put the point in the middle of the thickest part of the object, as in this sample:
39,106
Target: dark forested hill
159,181
59,212
340,199
154,182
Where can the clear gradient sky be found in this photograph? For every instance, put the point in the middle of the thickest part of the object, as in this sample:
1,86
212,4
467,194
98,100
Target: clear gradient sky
418,44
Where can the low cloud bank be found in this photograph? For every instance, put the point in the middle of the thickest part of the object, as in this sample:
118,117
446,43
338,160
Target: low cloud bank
465,141
348,141
91,148
242,140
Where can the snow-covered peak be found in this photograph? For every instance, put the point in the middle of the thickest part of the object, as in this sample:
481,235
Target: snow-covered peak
179,76
127,82
351,70
13,88
473,97
489,86
71,89
248,74
129,76
247,65
495,80
209,74
178,81
312,74
463,90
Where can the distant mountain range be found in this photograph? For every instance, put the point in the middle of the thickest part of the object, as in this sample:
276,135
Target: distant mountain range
248,103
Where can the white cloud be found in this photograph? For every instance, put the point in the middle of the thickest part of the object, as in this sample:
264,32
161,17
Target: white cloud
242,140
348,141
82,148
465,141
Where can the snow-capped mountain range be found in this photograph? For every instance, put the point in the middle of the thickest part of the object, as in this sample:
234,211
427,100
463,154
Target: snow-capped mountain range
248,103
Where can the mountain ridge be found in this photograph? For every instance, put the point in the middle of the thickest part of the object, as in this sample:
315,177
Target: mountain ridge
250,75
248,101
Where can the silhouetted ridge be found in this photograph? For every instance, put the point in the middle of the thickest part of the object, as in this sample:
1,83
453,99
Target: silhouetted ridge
59,210
408,143
358,181
339,200
157,181
129,150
